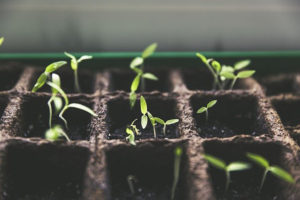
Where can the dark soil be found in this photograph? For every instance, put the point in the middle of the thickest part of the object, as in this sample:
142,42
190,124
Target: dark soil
9,77
3,104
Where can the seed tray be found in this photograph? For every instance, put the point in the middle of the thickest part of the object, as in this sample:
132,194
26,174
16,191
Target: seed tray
95,164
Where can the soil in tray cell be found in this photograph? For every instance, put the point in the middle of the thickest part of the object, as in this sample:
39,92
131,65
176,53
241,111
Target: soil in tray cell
245,184
121,80
35,116
229,117
9,78
44,172
120,116
3,104
86,81
152,168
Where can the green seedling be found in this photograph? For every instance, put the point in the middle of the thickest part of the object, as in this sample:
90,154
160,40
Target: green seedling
205,108
53,134
177,159
74,66
239,75
277,171
46,74
220,164
153,123
131,180
132,130
67,105
1,40
137,65
165,124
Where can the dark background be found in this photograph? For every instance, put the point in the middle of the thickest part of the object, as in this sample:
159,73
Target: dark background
130,25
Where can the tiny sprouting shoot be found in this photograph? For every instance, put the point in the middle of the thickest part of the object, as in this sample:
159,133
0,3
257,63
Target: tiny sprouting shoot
277,171
55,133
205,108
132,130
131,180
74,65
166,123
177,161
220,164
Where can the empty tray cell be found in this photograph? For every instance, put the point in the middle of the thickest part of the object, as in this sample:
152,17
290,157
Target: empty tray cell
35,117
120,116
245,184
231,115
200,79
151,166
45,171
9,77
86,81
279,84
122,79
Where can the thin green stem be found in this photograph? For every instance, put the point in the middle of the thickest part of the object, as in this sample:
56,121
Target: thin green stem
76,82
227,180
154,131
216,80
130,180
206,115
232,83
143,84
50,111
164,129
176,176
61,116
263,179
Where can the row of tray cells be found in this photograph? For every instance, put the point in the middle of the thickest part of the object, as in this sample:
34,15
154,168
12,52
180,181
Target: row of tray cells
59,172
194,79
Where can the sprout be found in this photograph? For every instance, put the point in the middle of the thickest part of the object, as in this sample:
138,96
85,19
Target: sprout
168,122
1,40
67,105
277,171
242,74
205,109
140,74
153,123
144,110
131,131
53,134
220,164
74,66
131,180
177,159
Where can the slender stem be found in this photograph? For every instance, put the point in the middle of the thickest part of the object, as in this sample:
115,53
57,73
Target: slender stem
176,176
206,115
154,131
50,111
164,130
130,180
143,84
263,179
76,82
61,116
232,83
66,136
227,180
216,81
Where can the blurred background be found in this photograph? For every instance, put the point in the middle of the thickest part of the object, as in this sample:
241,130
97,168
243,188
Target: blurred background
177,25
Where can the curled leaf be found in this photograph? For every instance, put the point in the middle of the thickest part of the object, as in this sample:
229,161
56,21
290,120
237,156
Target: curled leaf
216,65
40,82
202,57
136,62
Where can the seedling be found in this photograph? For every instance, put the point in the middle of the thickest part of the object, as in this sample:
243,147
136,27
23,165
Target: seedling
277,171
168,122
144,110
220,164
131,180
137,65
239,75
74,66
1,40
205,108
53,134
153,123
177,159
132,130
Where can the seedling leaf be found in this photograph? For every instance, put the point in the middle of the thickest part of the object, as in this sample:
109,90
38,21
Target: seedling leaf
143,105
172,121
40,82
144,121
201,110
211,103
1,40
241,64
63,94
54,66
130,136
216,65
159,120
216,162
135,83
82,107
228,75
245,74
149,50
132,99
258,160
85,57
56,80
238,166
150,76
202,57
70,55
136,62
282,174
58,104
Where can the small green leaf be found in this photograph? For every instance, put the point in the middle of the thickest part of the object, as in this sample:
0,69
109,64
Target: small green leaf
226,68
74,64
245,74
70,55
144,121
132,99
149,115
201,110
211,103
202,57
228,75
129,131
143,105
82,107
159,120
216,65
56,80
137,70
40,82
54,66
84,57
150,76
241,64
238,166
58,104
149,50
282,174
135,83
258,160
1,40
172,121
136,62
63,94
216,162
